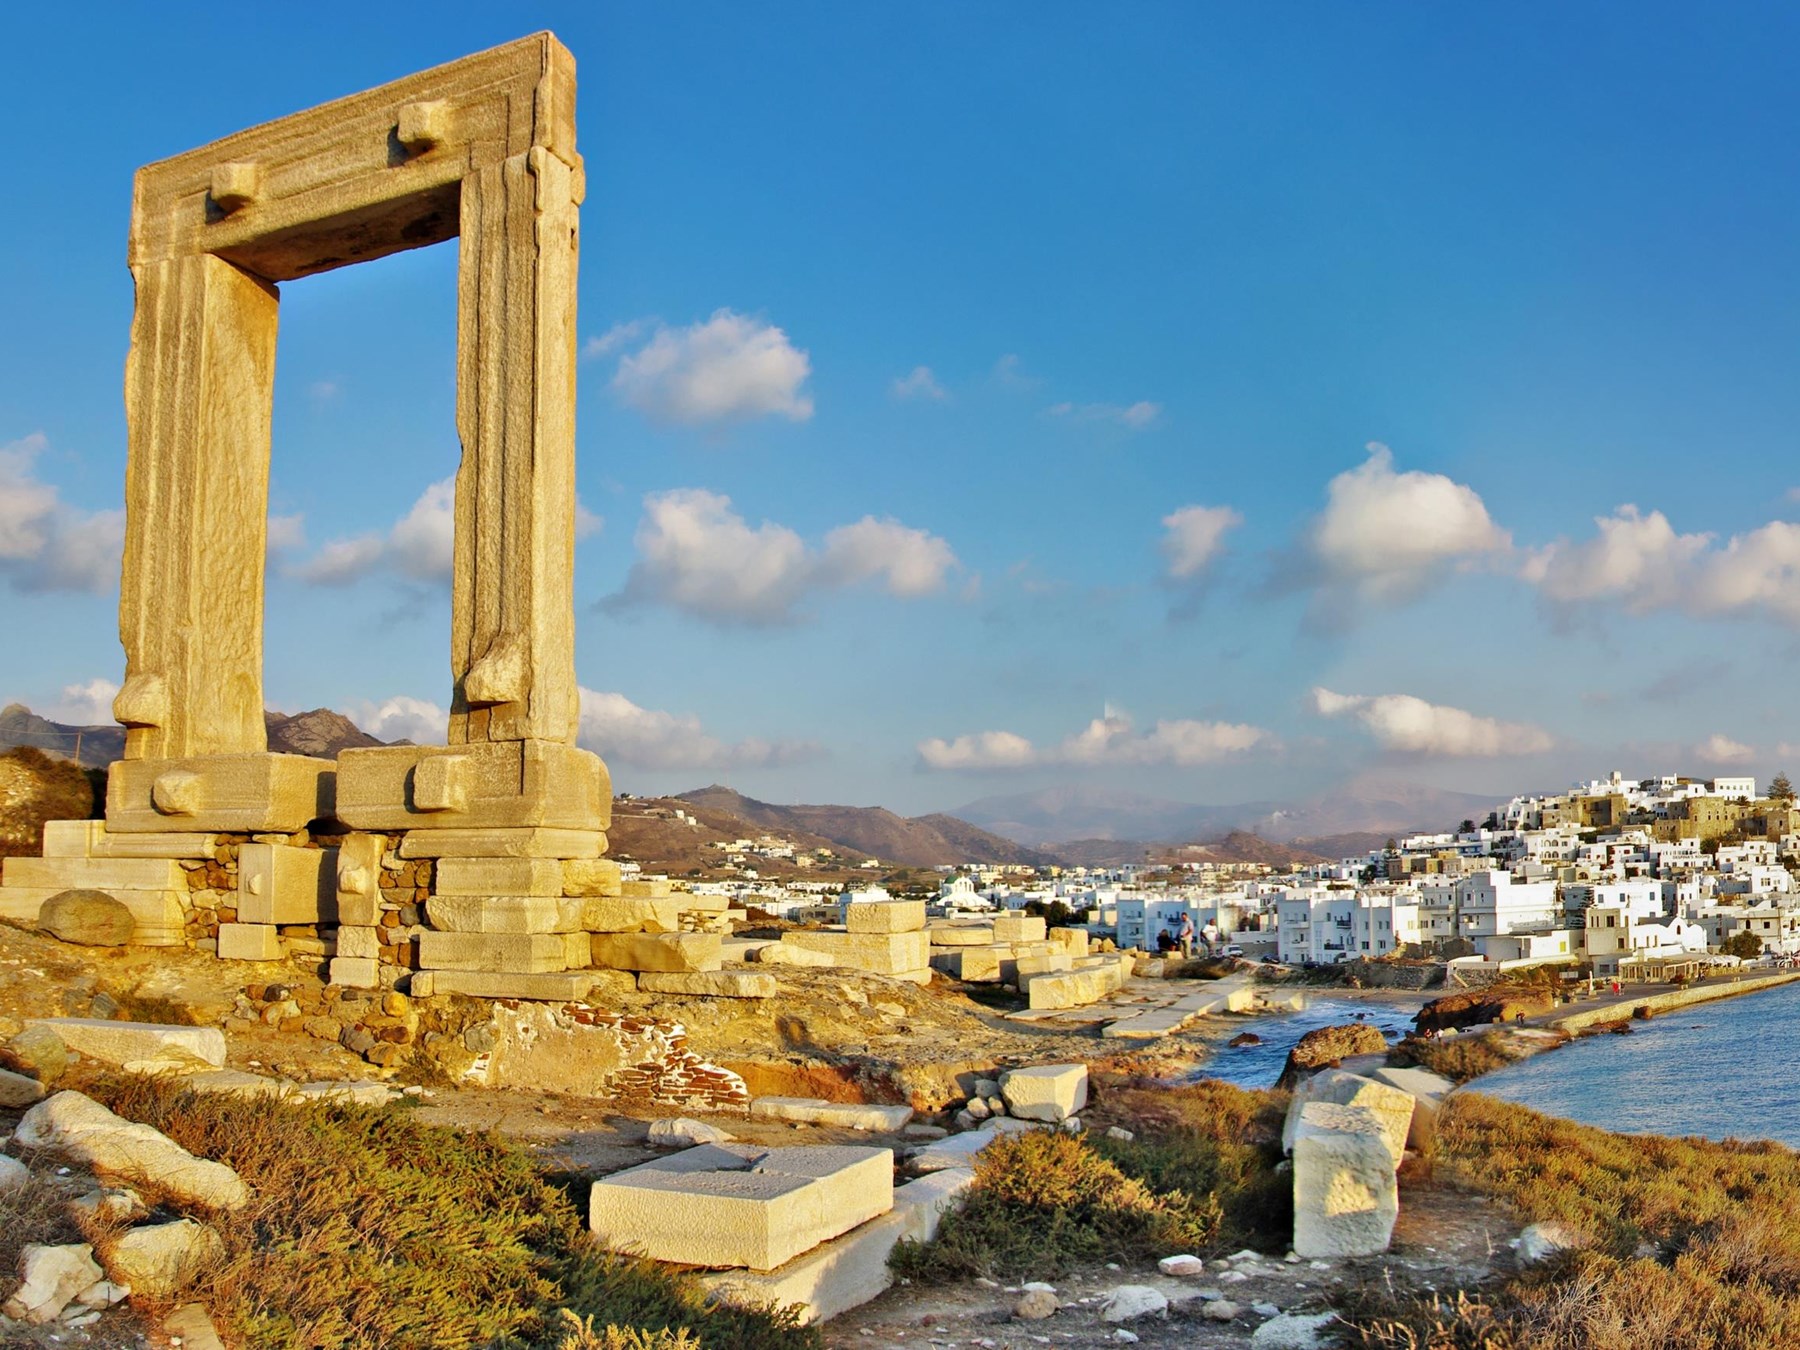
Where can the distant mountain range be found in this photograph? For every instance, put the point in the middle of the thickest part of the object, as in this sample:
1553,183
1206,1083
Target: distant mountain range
874,831
1367,805
320,732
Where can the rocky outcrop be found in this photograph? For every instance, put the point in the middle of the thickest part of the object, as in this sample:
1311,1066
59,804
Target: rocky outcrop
1480,1007
84,1131
1327,1047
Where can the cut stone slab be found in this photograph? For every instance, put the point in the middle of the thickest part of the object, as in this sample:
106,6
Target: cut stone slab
157,1260
498,876
249,942
127,1042
235,1083
848,1271
961,934
556,987
73,838
531,953
1050,1092
52,1277
878,953
1074,941
710,984
645,888
158,915
844,1115
502,843
100,874
503,783
884,916
618,914
1345,1196
592,877
959,1150
279,883
360,1093
735,1206
664,952
1019,968
1423,1084
190,847
1392,1107
191,1323
683,1132
1019,928
1068,989
503,914
82,1129
972,965
1294,1331
355,972
787,954
251,792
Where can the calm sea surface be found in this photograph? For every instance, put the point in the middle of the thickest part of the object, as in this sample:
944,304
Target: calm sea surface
1258,1066
1725,1070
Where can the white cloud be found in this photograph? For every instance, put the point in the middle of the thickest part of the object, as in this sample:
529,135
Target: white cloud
1108,740
726,368
621,732
402,719
1193,536
286,533
45,544
86,705
1387,536
1009,373
1134,416
421,545
1409,725
697,554
1719,749
619,336
1641,563
920,383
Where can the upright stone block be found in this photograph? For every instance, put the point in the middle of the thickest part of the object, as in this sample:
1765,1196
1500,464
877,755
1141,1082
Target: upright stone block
72,838
249,942
1018,927
592,877
503,914
1391,1107
878,953
1346,1198
524,953
358,893
278,883
1050,1092
498,876
609,914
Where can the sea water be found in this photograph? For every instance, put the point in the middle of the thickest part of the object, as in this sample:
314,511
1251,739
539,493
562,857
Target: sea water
1721,1070
1258,1066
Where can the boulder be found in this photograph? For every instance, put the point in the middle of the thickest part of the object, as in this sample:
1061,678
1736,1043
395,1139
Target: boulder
1541,1241
681,1132
1479,1007
1181,1266
1345,1196
39,1053
87,918
1035,1305
1221,1310
1326,1047
194,1328
82,1129
13,1173
53,1277
159,1259
16,1090
1131,1301
137,1042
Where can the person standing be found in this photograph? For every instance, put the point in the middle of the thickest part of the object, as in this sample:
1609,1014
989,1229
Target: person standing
1186,935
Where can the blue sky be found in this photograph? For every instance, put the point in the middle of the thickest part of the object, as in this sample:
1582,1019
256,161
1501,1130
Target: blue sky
1169,271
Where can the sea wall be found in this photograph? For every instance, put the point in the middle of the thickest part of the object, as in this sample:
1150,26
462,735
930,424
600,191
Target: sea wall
1679,998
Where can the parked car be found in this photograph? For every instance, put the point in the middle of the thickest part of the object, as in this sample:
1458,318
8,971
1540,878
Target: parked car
1232,950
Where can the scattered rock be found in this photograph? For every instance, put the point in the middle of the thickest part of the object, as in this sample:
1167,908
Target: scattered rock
1035,1305
1221,1310
680,1131
86,1131
53,1276
107,1206
13,1173
1131,1301
1265,1309
194,1327
39,1052
1293,1331
16,1090
87,918
1182,1266
1541,1241
103,1295
1120,1133
159,1259
1244,1038
1233,1277
1124,1337
977,1109
1327,1047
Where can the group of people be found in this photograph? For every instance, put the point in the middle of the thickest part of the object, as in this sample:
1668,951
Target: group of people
1184,937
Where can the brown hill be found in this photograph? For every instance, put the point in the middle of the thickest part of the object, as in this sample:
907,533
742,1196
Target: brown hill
874,831
320,732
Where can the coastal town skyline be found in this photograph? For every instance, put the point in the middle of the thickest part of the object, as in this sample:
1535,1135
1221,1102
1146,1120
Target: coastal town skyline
1310,410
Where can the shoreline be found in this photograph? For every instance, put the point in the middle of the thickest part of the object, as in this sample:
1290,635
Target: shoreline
1624,1007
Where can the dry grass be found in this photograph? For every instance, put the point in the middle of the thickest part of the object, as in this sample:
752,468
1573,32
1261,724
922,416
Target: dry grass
369,1229
1688,1243
1459,1058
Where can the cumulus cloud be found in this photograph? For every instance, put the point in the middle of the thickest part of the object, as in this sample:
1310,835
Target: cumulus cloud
286,533
1409,725
1641,563
726,368
1717,749
1192,537
920,383
1110,739
1133,416
420,546
402,718
621,732
697,554
1387,536
87,704
46,544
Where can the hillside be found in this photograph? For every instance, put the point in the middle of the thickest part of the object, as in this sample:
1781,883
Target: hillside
320,732
873,831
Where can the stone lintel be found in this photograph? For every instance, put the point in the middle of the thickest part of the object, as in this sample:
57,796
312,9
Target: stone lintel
250,793
487,785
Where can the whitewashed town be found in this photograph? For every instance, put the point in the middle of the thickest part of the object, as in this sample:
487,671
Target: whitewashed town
1638,878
